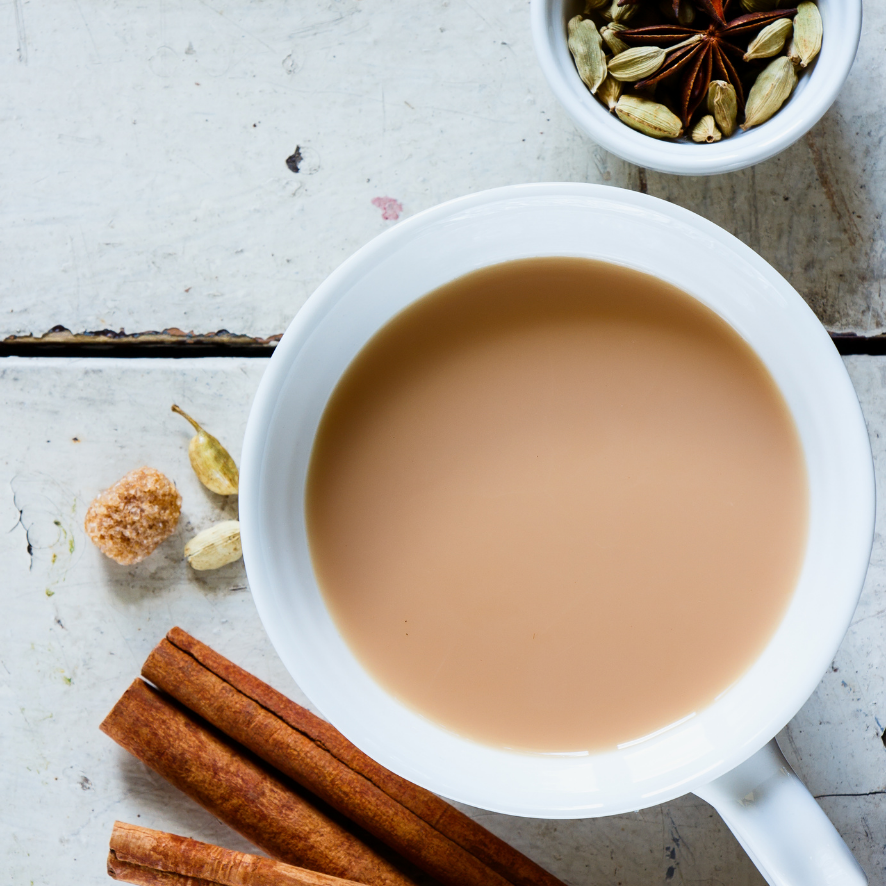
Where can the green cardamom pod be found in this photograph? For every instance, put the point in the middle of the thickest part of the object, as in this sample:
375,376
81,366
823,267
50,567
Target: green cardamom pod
723,104
648,117
685,13
636,63
759,5
613,41
643,61
215,547
770,91
625,13
770,41
610,92
586,47
595,5
212,464
807,34
706,130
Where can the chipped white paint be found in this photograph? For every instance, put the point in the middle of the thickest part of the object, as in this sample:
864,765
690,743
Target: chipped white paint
76,628
145,186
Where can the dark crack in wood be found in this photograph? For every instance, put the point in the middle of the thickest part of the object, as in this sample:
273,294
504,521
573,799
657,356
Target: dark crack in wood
171,342
176,343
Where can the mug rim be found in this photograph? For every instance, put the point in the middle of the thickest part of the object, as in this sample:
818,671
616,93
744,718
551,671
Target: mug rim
466,771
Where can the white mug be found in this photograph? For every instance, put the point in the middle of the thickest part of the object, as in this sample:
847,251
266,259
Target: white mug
725,753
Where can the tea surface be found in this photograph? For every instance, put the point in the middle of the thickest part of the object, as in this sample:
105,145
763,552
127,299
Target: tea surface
557,505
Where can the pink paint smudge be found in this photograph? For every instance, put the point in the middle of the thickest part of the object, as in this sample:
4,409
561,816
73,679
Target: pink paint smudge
390,208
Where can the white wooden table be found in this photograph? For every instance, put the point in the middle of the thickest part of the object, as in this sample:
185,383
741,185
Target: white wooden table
144,182
76,628
144,186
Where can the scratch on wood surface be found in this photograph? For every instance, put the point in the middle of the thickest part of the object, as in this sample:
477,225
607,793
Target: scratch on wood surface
21,522
22,34
88,29
478,14
237,25
836,197
754,233
678,839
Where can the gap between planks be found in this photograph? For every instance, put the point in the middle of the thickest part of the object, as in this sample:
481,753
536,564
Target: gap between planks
175,343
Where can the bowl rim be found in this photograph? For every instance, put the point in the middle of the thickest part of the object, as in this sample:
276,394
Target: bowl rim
467,783
684,158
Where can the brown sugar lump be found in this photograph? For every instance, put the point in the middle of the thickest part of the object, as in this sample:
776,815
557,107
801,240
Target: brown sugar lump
128,521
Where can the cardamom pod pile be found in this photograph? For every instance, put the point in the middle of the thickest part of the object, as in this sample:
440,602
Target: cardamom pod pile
216,470
695,68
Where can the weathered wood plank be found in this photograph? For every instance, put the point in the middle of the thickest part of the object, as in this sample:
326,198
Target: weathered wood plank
76,628
145,182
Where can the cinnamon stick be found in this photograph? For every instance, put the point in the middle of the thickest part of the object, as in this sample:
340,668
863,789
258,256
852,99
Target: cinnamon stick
133,873
144,856
239,790
428,831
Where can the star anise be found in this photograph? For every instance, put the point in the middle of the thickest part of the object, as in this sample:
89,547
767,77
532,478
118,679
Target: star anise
714,56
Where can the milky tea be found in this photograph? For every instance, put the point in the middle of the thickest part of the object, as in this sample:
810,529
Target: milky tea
557,505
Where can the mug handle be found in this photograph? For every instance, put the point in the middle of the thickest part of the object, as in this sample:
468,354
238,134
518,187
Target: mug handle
779,824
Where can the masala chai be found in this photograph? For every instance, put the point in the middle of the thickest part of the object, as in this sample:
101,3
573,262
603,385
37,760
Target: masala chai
557,505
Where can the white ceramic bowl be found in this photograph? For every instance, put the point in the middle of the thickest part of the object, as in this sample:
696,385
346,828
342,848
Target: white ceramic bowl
437,246
816,91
